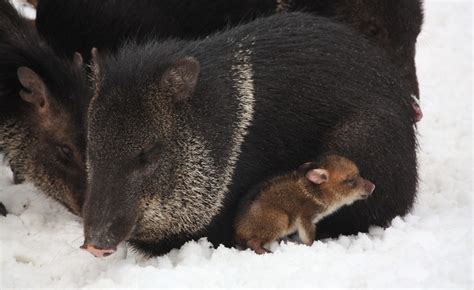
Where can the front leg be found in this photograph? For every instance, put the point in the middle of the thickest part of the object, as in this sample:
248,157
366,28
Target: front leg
17,176
306,231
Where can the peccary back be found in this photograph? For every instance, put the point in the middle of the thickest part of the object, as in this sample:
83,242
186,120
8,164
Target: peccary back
79,25
178,131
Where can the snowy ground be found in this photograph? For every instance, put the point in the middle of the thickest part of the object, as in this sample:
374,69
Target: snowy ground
432,247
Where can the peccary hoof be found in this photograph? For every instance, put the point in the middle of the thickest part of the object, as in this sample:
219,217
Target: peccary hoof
3,210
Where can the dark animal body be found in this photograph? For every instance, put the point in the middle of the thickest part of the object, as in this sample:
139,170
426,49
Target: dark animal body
178,131
41,112
393,24
295,201
71,26
79,25
93,23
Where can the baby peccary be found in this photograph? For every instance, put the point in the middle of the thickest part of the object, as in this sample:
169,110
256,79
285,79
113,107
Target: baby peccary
297,200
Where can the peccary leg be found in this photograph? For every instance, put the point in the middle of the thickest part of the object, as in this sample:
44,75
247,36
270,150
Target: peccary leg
17,177
3,210
257,246
306,231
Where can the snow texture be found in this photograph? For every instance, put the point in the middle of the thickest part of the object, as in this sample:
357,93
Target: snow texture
431,247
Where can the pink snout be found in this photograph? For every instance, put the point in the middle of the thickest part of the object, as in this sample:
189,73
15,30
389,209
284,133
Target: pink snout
418,112
98,252
369,186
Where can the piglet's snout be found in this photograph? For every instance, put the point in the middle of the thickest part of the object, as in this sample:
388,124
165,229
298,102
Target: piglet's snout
369,187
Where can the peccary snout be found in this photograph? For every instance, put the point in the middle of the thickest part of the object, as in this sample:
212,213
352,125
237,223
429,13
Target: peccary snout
369,187
97,251
109,217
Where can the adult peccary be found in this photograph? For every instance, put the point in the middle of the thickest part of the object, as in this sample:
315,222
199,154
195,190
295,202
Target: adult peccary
41,112
79,25
178,131
393,24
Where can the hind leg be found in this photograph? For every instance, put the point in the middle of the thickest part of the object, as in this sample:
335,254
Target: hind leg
257,246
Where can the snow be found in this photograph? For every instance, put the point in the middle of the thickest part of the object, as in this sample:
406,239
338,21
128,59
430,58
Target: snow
431,247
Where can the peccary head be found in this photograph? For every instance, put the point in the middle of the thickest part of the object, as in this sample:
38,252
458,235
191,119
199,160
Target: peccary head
44,142
132,151
337,180
41,103
394,25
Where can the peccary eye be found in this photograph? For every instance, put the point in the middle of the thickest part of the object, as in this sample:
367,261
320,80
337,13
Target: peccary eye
150,153
373,30
64,151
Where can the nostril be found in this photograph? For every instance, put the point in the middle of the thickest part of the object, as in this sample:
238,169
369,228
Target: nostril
372,188
98,252
418,112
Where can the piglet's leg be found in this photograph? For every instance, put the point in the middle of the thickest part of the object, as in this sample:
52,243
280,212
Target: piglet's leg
306,231
257,246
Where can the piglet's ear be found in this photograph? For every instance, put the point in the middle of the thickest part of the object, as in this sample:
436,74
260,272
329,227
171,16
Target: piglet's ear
34,89
181,78
317,176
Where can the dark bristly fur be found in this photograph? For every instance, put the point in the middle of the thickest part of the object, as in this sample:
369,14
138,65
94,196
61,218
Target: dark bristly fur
295,201
392,24
79,25
3,210
35,142
178,131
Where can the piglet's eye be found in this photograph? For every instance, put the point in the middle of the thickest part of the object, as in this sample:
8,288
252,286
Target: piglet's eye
352,182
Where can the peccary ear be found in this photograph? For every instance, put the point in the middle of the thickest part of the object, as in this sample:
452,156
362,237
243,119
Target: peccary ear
317,176
181,78
34,89
77,59
306,167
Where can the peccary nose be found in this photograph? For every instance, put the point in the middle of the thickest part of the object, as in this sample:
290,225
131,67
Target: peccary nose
418,112
369,187
97,252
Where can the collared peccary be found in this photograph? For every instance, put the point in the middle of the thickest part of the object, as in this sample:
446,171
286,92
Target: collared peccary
178,131
393,24
295,201
41,112
79,25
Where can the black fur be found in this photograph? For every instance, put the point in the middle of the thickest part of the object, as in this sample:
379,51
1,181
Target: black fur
3,210
319,87
79,25
393,24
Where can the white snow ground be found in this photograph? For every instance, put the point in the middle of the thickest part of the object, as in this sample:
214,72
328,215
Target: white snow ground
431,247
